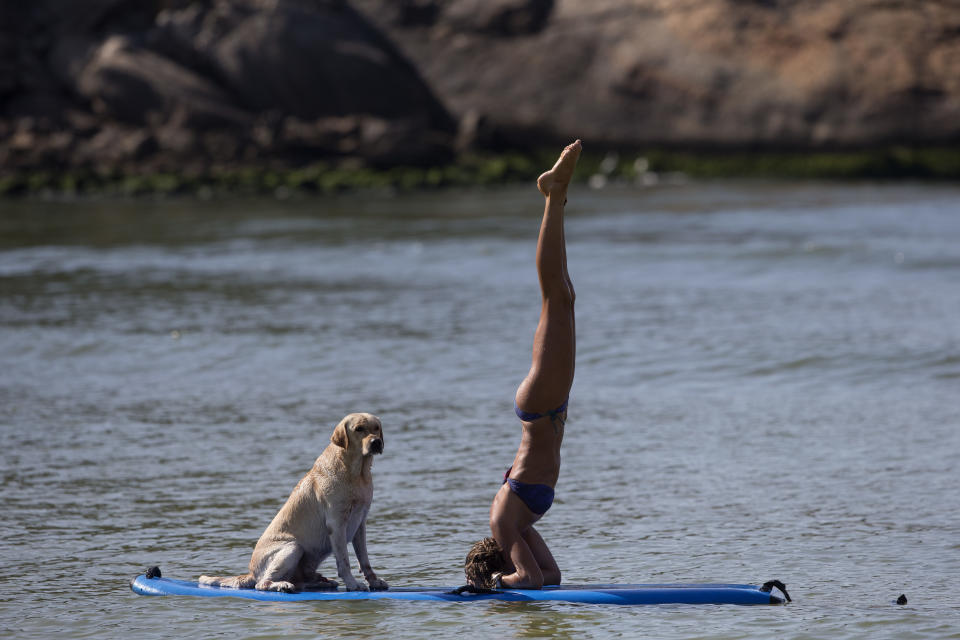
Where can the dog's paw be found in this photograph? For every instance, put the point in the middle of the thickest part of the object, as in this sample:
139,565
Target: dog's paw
283,586
378,585
321,584
355,586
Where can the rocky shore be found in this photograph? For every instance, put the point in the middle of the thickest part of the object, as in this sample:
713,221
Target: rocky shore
432,92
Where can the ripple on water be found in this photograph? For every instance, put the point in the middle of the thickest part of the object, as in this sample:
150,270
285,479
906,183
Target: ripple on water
764,390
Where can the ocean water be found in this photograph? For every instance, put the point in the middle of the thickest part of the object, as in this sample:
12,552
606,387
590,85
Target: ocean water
768,386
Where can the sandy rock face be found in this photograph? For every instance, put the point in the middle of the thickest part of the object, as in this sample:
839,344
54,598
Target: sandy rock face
728,73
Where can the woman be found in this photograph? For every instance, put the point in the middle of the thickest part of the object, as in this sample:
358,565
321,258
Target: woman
516,556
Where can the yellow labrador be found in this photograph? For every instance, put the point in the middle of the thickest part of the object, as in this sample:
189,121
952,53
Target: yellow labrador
327,508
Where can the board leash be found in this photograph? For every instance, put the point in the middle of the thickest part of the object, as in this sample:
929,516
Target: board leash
770,584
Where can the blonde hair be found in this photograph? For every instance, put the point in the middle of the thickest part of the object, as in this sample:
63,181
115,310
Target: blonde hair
484,559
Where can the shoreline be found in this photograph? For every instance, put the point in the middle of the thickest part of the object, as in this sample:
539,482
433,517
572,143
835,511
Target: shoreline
645,168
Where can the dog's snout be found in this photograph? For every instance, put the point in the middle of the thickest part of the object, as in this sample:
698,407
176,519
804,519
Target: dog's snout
376,445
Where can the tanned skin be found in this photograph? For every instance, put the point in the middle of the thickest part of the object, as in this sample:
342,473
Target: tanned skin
545,388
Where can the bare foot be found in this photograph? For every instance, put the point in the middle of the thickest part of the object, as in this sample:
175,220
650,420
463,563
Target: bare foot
555,181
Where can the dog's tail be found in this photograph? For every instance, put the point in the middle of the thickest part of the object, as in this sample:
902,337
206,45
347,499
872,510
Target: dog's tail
233,582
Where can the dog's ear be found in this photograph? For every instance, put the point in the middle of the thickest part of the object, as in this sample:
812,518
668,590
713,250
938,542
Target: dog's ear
339,436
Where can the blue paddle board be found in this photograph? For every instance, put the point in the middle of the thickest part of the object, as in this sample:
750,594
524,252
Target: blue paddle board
591,594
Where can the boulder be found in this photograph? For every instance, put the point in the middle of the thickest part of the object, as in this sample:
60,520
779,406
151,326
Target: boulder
412,13
801,74
499,17
212,83
137,86
8,56
307,60
113,145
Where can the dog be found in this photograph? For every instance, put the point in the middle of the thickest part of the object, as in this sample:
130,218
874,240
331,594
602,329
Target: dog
327,509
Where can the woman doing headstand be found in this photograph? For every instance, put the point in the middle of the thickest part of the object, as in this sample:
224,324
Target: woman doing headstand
516,555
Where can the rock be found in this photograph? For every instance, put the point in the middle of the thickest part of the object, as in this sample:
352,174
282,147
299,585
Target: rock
307,63
175,136
174,83
22,140
385,143
379,141
215,80
320,64
82,123
8,60
801,74
137,86
113,145
412,13
499,17
323,135
221,146
176,140
91,16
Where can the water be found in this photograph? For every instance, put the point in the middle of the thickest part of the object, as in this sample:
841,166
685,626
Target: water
767,387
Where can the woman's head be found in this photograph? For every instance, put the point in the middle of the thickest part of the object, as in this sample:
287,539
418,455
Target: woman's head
484,559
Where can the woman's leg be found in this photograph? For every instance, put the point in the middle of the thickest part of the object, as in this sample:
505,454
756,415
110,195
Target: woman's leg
509,523
548,383
548,566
